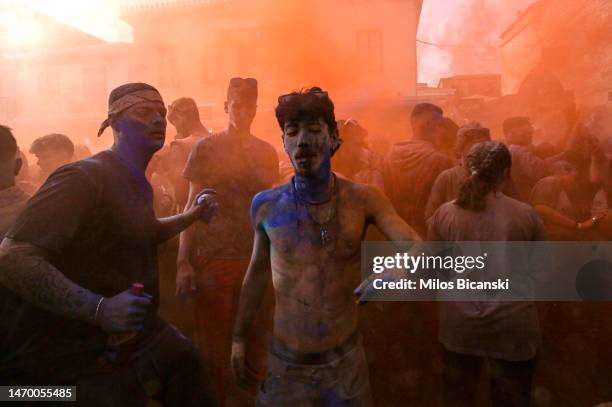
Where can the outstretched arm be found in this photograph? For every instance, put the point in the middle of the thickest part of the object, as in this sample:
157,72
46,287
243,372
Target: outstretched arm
173,225
380,212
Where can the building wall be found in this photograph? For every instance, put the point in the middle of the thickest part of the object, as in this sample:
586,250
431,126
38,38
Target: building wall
356,49
63,91
580,31
519,57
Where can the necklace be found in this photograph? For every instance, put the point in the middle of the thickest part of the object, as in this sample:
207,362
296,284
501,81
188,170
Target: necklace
323,225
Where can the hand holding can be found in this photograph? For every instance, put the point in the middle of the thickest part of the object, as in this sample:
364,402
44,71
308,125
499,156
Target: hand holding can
207,204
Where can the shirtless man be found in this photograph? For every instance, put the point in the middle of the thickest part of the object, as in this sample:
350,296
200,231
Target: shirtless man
309,232
184,116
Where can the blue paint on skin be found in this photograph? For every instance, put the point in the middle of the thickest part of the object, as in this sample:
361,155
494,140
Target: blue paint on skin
315,186
135,149
285,209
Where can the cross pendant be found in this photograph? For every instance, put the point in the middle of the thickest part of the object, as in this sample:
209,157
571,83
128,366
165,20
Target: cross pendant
324,236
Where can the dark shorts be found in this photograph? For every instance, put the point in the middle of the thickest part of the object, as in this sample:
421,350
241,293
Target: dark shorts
343,381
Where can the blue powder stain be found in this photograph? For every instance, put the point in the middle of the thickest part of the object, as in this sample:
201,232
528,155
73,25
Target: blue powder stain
279,218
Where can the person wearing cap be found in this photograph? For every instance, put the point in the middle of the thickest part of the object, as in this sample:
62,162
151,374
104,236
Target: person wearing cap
51,151
70,259
308,235
356,161
237,165
12,198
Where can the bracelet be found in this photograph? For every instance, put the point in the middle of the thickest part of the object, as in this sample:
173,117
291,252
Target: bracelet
95,317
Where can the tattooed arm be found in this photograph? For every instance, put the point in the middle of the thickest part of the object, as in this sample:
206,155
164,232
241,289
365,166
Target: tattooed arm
24,270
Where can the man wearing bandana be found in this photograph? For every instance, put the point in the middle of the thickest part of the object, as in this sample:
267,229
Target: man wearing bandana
214,258
69,261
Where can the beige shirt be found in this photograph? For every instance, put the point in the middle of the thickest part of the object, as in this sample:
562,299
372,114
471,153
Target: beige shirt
501,330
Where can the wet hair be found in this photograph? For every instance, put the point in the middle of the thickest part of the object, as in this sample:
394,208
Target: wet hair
8,144
187,107
306,105
471,133
422,108
487,162
52,142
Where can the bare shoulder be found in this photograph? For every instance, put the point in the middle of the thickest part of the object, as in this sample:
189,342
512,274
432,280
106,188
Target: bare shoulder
358,192
266,201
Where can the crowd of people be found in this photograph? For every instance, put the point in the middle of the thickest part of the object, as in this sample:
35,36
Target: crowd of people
249,258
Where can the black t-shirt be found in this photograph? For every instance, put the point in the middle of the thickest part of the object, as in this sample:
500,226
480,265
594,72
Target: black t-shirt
95,217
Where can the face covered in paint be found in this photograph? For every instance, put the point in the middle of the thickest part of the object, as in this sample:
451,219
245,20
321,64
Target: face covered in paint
143,125
308,144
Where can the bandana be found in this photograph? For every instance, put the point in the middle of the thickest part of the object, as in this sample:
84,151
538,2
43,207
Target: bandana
127,101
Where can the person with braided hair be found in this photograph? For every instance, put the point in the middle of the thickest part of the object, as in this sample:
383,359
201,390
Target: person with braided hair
446,187
506,335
